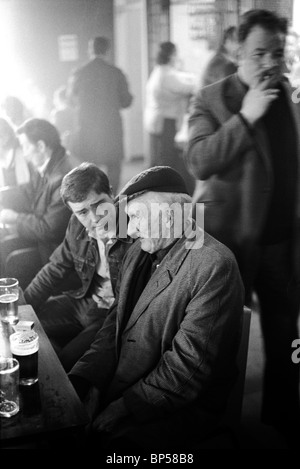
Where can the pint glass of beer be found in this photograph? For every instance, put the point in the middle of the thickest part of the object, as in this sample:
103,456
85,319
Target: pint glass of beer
24,347
9,295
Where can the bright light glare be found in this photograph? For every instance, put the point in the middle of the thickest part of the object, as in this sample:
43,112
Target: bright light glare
9,72
296,16
14,80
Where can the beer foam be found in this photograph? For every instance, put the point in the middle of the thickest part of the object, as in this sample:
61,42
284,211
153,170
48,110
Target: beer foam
24,342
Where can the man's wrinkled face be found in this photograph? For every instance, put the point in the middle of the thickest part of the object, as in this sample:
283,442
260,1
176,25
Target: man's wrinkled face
96,213
261,57
148,222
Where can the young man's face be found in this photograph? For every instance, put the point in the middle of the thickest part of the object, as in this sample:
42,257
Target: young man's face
97,214
261,57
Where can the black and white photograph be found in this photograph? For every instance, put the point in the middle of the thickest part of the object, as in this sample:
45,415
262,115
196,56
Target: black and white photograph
149,227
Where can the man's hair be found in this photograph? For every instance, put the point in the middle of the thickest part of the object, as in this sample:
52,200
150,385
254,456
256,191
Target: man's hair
166,50
263,18
80,181
41,129
230,33
100,45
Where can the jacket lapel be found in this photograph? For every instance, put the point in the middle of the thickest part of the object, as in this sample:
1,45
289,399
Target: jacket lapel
234,93
159,281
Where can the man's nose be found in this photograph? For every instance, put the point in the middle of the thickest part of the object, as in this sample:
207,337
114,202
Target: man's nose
94,217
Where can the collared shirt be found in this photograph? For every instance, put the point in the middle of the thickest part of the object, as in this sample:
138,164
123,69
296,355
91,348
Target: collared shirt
102,292
42,169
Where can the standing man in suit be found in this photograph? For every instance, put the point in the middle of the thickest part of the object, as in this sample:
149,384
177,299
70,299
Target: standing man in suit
99,91
244,150
164,360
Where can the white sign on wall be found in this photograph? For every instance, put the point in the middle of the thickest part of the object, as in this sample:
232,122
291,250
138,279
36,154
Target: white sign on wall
68,48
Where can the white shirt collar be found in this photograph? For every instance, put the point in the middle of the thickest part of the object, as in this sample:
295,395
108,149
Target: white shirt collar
6,162
42,169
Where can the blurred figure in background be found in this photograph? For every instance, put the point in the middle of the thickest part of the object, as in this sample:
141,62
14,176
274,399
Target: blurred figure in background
168,94
224,62
99,91
62,117
35,213
14,110
14,169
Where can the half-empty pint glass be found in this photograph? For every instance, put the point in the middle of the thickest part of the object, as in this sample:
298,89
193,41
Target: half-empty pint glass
9,387
24,347
9,295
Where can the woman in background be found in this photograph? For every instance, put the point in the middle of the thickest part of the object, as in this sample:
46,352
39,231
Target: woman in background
168,93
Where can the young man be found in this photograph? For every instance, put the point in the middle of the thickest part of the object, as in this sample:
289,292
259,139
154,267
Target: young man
88,250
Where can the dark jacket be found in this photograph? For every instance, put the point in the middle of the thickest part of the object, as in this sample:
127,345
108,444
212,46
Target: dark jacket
100,90
43,217
78,253
234,167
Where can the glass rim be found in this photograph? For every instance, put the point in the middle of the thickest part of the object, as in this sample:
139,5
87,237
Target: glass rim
10,282
14,368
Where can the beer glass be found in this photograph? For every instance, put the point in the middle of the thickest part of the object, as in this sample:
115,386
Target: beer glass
9,387
24,347
9,295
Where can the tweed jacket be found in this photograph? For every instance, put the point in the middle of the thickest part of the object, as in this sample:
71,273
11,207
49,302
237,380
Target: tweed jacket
232,163
178,348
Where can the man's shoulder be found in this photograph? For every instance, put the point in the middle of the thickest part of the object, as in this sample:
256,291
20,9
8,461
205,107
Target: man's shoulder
59,168
217,59
216,248
221,86
212,254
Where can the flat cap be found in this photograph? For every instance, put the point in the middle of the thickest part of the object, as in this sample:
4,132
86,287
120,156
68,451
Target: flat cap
157,179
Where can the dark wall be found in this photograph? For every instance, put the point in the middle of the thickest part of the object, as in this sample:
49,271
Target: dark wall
37,26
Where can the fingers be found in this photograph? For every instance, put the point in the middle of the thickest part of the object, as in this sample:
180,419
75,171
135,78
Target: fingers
264,84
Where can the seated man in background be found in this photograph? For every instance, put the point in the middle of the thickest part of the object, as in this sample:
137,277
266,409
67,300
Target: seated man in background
163,362
72,319
34,213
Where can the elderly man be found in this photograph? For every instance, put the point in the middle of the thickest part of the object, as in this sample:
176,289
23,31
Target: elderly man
244,149
164,360
91,253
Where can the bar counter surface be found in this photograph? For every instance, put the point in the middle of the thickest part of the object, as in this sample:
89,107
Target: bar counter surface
50,409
